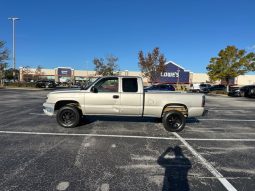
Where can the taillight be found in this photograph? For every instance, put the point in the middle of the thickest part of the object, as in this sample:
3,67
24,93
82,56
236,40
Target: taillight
203,101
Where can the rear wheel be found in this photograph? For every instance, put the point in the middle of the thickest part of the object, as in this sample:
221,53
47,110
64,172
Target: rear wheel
68,116
174,121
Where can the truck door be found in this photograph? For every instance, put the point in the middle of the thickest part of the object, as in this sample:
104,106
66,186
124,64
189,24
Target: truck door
105,99
131,101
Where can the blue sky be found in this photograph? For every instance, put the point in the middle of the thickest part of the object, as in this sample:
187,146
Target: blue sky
54,33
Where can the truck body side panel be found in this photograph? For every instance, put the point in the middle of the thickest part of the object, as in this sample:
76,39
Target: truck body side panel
156,101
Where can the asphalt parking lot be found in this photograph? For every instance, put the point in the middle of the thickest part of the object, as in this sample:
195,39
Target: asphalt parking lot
215,152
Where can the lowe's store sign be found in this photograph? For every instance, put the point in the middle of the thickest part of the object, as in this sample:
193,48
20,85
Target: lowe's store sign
174,74
65,72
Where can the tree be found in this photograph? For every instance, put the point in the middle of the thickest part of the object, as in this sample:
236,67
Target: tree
9,74
107,66
38,72
152,64
230,63
4,56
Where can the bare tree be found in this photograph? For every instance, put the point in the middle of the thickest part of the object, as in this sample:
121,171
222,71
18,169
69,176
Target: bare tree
4,56
107,66
152,64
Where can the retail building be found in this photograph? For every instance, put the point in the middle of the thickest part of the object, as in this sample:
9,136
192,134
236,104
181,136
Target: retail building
174,74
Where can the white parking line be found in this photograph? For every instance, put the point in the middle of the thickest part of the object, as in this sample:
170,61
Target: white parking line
233,120
36,114
216,173
218,132
120,136
84,134
241,110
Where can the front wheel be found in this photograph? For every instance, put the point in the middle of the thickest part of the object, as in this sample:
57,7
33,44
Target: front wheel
68,117
174,121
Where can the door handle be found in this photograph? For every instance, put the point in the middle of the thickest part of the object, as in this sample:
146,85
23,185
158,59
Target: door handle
115,96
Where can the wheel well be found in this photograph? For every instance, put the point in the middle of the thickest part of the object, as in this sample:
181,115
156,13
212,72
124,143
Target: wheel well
175,107
60,104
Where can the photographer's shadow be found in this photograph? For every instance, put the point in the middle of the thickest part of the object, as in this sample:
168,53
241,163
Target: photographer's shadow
176,169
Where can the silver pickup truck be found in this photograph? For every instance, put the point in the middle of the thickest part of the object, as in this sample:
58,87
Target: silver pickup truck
123,96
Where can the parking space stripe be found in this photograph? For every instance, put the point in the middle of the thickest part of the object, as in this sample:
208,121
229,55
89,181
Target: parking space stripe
37,114
233,120
120,136
241,110
84,134
216,173
201,139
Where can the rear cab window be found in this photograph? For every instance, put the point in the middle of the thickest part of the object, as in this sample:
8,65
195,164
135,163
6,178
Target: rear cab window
129,85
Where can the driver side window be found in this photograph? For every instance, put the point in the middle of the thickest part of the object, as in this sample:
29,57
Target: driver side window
108,85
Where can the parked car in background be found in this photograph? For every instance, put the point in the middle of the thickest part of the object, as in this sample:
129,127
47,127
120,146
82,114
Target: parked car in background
247,91
45,84
217,88
160,87
75,85
204,88
200,87
234,91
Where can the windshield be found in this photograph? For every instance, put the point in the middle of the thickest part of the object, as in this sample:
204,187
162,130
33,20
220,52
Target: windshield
89,83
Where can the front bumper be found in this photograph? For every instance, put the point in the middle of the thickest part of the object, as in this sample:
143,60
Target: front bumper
48,108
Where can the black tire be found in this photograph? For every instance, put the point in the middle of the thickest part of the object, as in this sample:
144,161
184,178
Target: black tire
68,116
174,121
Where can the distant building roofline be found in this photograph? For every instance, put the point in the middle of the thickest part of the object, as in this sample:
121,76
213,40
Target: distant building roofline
168,62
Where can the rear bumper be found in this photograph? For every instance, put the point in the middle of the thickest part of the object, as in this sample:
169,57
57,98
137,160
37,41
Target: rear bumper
48,109
197,111
205,112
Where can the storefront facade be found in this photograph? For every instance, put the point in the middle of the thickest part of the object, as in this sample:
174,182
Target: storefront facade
174,74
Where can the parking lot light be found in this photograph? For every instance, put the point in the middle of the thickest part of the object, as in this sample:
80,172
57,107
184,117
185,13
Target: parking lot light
13,44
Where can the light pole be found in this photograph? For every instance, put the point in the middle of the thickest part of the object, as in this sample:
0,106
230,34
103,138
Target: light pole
13,44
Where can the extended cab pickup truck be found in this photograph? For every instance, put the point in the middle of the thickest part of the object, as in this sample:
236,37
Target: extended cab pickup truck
123,96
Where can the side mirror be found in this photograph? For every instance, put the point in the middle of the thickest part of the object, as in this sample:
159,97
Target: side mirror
94,89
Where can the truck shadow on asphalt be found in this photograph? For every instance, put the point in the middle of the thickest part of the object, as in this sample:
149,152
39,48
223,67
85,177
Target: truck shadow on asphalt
85,120
176,169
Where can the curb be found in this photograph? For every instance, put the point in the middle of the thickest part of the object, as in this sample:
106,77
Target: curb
18,88
221,95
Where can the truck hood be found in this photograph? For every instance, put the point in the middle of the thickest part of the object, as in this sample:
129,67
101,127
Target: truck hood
70,94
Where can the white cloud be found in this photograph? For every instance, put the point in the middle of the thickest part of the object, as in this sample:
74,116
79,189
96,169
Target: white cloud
251,48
